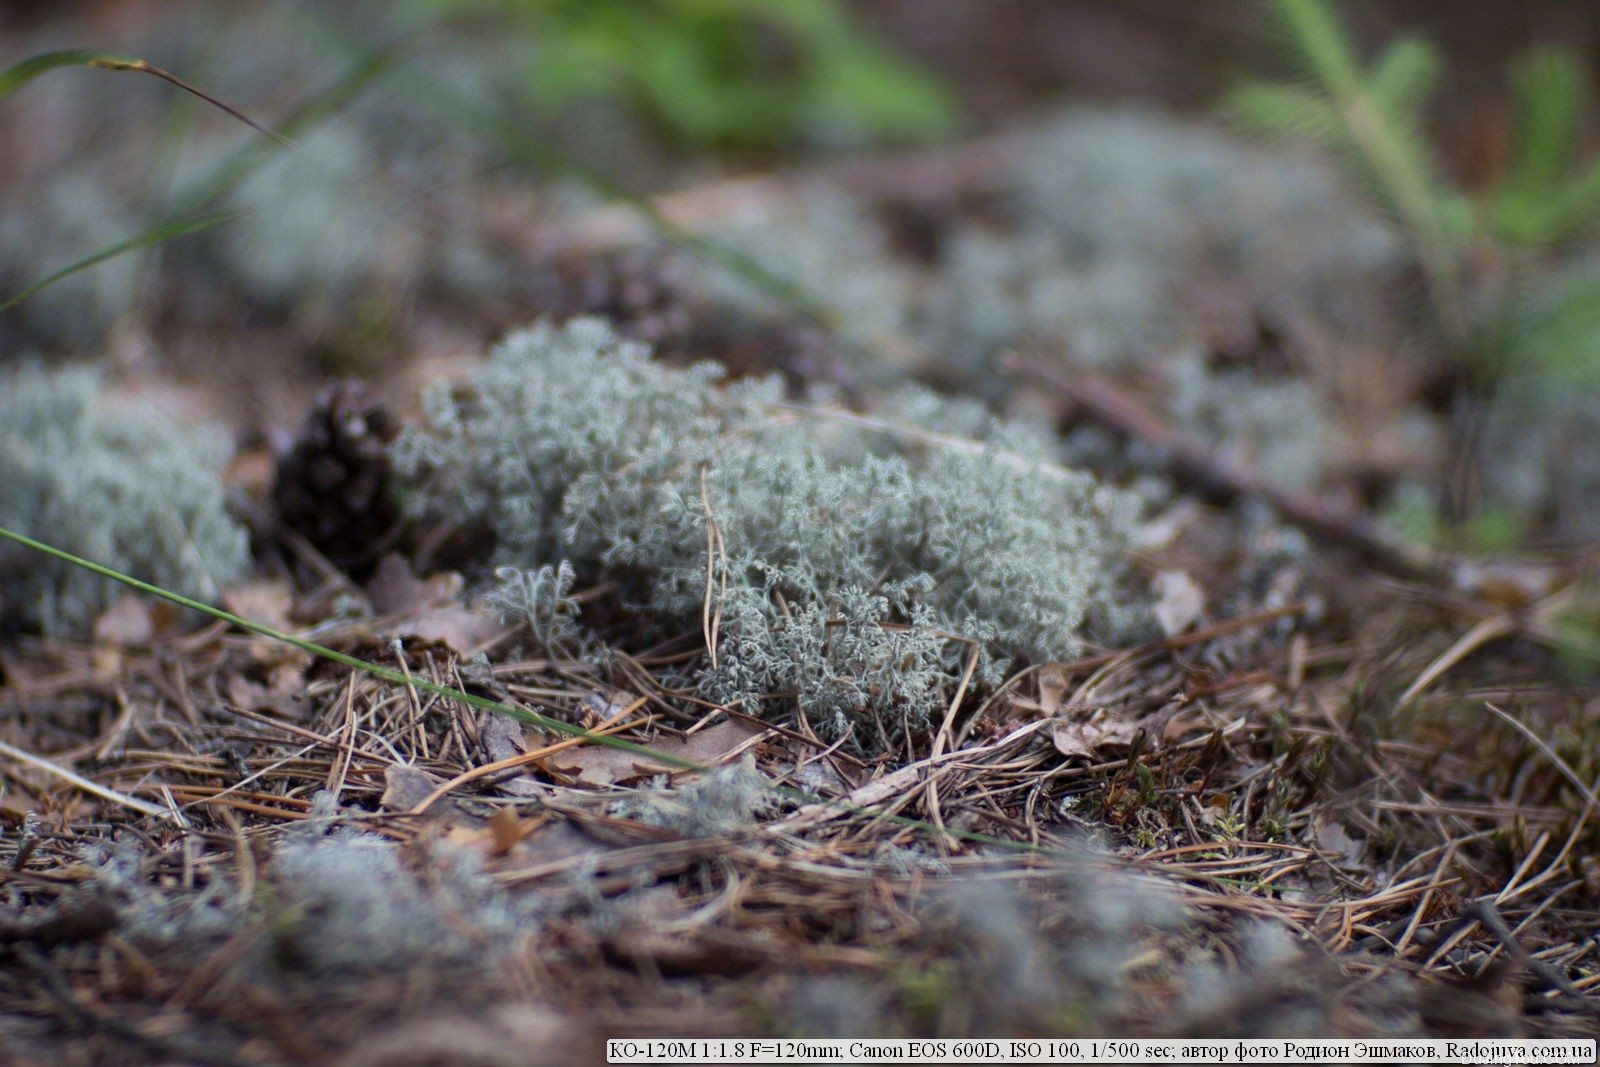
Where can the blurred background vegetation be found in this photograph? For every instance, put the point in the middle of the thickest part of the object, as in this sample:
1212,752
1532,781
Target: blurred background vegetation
1348,248
448,150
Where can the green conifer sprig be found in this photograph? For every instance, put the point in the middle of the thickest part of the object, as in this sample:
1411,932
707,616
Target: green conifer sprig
1548,195
1514,292
1371,117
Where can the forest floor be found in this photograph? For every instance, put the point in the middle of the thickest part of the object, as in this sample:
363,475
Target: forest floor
1346,787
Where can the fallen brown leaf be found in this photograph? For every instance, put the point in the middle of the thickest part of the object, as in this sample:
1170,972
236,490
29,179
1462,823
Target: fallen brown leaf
395,589
465,630
597,765
1052,688
1091,738
511,1035
501,738
506,828
714,950
252,470
267,603
283,692
128,621
1179,601
1331,837
406,786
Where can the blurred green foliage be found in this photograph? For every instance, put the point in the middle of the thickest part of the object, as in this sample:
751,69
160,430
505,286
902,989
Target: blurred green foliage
1547,195
1544,201
723,73
1513,281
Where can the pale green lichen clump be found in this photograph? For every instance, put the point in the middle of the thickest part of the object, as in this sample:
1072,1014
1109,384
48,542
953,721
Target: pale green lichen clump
843,556
118,484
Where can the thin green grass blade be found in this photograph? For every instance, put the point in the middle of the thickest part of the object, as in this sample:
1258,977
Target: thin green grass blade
21,73
177,124
365,68
388,674
224,178
152,236
531,718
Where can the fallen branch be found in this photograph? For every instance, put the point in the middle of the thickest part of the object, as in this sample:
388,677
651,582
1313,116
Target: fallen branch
39,763
1192,462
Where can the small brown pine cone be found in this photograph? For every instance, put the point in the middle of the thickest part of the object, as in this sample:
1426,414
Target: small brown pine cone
334,484
642,290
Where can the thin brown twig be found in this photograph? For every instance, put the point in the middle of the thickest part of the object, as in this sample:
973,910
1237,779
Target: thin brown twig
1190,460
610,726
78,781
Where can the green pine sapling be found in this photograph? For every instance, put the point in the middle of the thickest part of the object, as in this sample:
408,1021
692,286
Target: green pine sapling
1545,198
1513,295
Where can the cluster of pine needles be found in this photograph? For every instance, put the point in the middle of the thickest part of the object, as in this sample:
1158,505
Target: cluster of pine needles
1224,786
